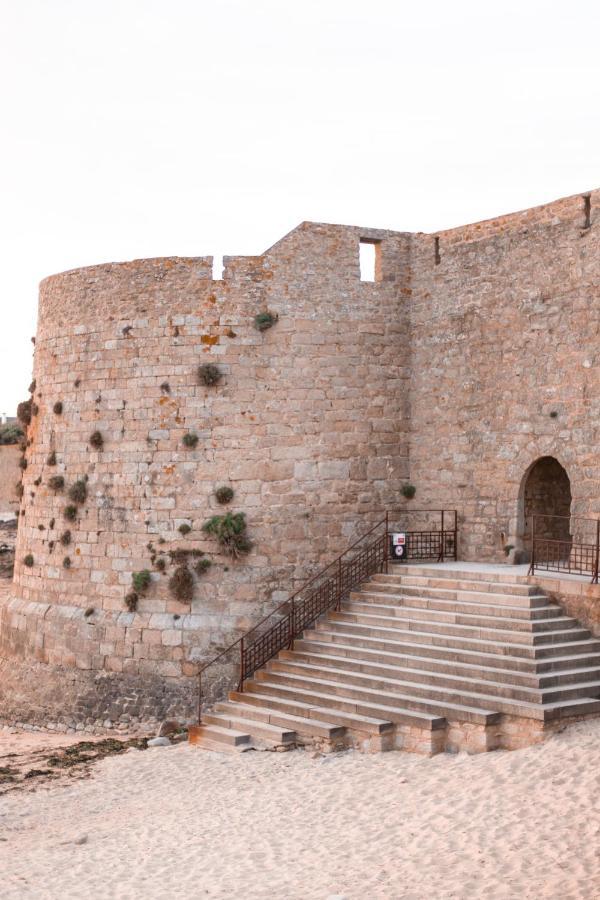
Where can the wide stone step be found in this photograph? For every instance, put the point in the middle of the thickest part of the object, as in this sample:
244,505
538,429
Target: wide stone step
573,669
527,608
233,719
291,706
549,630
351,684
456,594
357,709
401,678
435,571
461,584
579,653
271,716
217,737
378,697
470,613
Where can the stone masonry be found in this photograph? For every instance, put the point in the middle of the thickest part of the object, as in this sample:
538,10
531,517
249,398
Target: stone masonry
444,372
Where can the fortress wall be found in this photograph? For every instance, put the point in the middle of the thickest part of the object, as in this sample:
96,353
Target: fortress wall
504,331
308,426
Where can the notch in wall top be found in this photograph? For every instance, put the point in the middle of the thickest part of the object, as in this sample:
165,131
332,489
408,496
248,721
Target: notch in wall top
587,211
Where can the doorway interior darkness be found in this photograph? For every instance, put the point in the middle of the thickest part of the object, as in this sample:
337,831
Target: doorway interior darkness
545,490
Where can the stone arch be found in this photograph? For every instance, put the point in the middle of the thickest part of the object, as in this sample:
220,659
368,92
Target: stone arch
545,490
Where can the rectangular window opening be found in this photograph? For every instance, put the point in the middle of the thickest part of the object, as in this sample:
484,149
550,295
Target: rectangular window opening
217,267
370,259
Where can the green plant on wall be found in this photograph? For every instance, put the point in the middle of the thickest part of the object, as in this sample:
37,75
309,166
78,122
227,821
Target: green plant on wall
141,581
408,491
190,440
265,320
230,532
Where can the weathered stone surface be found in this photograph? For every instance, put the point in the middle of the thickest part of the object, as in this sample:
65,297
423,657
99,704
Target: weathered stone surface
459,362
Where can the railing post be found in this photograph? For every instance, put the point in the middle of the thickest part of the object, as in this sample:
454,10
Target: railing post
455,535
532,564
386,541
242,674
443,536
597,560
200,697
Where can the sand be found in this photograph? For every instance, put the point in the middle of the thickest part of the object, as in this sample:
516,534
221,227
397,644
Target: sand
181,822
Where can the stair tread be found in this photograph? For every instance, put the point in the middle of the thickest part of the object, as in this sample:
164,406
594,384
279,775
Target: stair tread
566,620
454,589
443,649
465,637
426,661
489,702
339,713
417,714
388,595
323,682
249,725
299,721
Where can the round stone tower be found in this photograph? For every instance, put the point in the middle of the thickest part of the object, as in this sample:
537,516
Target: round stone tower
153,388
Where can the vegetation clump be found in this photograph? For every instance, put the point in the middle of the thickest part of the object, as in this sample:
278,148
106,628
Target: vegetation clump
51,458
96,440
58,408
23,463
160,564
25,412
10,434
184,528
209,374
265,320
67,562
28,560
181,584
190,440
408,491
224,494
65,538
141,581
230,532
56,482
131,601
70,512
165,387
202,566
78,492
508,548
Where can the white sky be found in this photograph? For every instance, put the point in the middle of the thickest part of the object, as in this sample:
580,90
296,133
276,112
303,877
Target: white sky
164,127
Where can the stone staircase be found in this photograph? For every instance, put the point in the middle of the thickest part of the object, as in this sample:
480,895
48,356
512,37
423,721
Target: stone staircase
423,659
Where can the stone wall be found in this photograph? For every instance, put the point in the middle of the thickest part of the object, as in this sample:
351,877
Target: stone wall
505,366
473,355
308,426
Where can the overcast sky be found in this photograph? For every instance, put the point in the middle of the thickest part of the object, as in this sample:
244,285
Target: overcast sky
183,127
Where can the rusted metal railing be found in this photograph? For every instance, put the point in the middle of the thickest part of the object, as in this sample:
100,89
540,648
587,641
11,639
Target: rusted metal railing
327,590
570,554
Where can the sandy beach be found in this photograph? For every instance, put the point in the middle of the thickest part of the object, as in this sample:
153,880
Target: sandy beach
180,822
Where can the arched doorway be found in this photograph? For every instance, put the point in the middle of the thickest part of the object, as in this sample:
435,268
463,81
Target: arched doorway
545,491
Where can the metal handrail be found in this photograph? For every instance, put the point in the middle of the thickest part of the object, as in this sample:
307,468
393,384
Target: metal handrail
583,556
288,627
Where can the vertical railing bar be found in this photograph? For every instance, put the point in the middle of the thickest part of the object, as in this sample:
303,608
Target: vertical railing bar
242,673
532,564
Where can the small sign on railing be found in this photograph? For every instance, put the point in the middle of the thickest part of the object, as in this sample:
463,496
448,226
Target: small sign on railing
398,545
